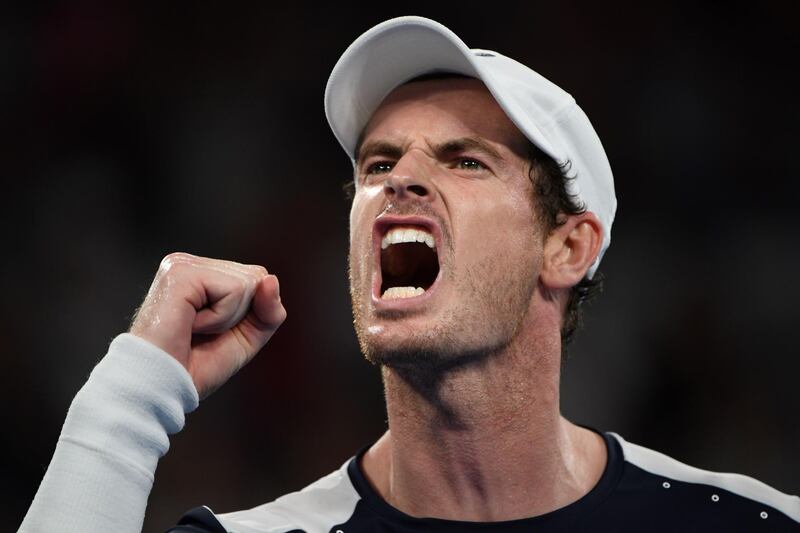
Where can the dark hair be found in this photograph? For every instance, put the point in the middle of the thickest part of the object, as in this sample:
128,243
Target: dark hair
554,203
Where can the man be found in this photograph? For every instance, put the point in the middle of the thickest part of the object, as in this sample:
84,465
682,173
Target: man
483,203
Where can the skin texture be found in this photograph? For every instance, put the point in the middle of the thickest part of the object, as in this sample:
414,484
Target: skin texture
484,210
471,372
483,214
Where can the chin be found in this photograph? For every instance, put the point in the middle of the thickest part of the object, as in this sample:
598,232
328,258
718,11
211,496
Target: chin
436,348
383,343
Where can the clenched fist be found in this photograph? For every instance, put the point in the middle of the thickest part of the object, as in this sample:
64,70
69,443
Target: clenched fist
211,315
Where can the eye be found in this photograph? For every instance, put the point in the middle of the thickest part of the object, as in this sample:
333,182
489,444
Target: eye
467,163
379,167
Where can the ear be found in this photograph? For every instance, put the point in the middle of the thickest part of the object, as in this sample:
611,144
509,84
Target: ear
570,250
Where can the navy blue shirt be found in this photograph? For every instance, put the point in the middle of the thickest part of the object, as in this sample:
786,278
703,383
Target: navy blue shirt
640,490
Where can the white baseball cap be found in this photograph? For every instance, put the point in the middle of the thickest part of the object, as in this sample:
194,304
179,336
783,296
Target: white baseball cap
404,48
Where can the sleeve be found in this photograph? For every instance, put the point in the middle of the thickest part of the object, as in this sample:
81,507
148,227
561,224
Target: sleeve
116,430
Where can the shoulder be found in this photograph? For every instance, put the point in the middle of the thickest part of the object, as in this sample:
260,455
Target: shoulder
710,498
321,505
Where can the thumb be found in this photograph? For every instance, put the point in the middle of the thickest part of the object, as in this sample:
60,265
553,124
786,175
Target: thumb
266,312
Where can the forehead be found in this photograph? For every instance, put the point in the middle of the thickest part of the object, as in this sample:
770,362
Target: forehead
438,109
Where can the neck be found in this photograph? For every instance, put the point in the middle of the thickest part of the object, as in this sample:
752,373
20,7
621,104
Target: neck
484,441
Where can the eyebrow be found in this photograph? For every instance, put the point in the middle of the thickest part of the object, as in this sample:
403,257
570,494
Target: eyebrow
464,144
383,148
447,148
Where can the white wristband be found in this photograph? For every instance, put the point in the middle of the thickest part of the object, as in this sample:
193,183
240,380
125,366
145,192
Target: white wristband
116,430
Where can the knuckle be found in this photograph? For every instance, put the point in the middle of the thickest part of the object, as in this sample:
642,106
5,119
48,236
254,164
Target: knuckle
252,271
175,266
253,274
175,258
260,270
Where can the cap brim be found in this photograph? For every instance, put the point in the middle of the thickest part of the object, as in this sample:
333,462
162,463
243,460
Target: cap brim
383,58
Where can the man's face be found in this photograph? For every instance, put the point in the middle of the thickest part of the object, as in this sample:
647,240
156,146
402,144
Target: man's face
440,157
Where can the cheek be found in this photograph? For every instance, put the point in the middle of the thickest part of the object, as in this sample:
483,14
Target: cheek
363,212
517,207
352,225
357,216
498,229
522,225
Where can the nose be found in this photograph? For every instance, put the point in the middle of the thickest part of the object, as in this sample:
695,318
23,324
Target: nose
409,179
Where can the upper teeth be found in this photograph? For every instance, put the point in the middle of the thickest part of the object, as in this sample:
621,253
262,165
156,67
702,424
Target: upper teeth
397,235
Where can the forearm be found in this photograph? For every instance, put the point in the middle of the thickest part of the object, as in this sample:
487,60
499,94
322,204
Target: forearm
116,430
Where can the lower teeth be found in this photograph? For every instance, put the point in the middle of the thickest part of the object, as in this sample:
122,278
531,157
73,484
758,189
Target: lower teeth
402,292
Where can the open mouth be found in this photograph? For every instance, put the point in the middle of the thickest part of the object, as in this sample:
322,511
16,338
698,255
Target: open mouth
409,262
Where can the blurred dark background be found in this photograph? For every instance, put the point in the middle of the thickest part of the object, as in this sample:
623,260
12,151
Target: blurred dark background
130,131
